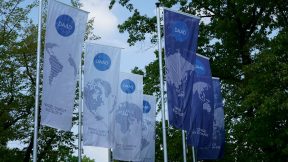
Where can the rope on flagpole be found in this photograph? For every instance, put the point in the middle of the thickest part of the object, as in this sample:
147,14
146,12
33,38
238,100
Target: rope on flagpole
161,82
36,110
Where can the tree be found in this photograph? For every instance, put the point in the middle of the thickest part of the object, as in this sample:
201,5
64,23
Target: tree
18,41
75,159
15,93
245,42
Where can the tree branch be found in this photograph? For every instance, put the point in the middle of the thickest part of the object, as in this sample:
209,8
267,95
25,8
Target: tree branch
28,151
28,70
281,10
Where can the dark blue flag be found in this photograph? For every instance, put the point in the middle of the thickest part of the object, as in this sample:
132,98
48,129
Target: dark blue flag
181,35
215,150
199,124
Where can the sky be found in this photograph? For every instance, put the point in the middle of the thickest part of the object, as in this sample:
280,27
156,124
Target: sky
105,26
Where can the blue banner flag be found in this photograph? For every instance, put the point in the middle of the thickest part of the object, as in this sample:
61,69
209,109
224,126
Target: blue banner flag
199,124
215,150
181,35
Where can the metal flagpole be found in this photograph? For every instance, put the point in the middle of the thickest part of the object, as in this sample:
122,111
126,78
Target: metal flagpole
194,154
36,110
184,145
193,148
161,82
109,155
80,114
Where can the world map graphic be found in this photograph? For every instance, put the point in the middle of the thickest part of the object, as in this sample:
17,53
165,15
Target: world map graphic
180,70
146,124
96,96
127,114
201,88
55,66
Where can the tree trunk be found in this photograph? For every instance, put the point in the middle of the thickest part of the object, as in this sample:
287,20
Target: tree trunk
28,151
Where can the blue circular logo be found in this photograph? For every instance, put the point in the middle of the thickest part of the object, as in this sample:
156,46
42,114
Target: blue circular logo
146,106
200,68
65,25
180,31
127,86
102,61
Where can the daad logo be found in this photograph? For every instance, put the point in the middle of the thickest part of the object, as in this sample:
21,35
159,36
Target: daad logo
180,31
102,61
65,25
200,68
127,86
146,106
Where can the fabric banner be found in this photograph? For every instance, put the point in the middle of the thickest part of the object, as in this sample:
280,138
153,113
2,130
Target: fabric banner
148,129
201,116
63,46
216,148
181,36
128,118
101,75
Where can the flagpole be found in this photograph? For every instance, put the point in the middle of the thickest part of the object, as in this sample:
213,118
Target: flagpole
36,110
184,145
193,148
194,154
80,114
161,82
109,155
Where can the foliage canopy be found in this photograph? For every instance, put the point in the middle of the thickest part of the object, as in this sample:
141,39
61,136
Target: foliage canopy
246,41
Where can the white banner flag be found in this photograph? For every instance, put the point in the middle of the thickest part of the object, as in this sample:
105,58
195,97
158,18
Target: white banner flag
63,46
101,75
128,118
148,129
